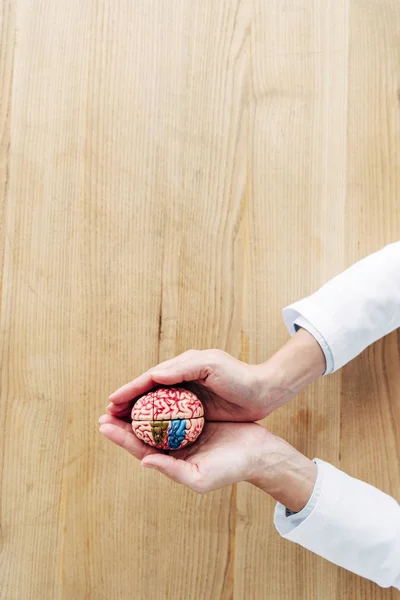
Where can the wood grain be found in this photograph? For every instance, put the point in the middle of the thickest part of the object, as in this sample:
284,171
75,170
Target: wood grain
171,175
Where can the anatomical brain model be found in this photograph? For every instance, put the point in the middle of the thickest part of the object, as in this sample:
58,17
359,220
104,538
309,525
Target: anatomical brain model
168,418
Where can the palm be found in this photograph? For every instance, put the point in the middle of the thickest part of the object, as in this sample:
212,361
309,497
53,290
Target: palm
224,453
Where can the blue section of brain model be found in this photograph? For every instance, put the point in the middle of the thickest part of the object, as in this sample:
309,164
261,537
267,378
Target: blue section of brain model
176,433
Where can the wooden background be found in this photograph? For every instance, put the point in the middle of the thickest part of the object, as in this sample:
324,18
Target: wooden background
172,173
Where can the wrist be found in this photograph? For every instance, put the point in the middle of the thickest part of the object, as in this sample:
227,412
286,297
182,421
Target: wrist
285,474
297,364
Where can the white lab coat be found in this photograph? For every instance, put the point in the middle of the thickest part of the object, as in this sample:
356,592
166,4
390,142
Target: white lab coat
347,521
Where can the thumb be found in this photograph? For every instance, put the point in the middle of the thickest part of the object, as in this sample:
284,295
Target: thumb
177,374
191,367
178,470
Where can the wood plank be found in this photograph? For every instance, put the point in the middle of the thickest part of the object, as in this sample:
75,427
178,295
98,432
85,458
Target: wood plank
7,47
299,63
370,416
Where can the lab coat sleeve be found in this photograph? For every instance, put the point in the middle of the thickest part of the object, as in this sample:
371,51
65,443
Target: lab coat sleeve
352,310
350,523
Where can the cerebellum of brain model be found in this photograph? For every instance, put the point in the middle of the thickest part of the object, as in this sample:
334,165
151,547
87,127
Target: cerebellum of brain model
168,418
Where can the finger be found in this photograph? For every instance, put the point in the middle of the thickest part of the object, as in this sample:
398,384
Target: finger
127,440
142,384
120,410
178,470
175,370
114,421
191,366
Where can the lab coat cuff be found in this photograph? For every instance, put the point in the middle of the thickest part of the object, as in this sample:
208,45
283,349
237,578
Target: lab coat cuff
303,323
307,314
286,524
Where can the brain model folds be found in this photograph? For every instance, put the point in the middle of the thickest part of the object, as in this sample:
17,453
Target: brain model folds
168,418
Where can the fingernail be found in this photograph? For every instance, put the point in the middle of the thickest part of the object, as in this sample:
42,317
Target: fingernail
106,426
148,467
110,405
103,419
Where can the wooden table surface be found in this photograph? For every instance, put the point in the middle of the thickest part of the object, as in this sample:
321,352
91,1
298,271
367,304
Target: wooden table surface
172,173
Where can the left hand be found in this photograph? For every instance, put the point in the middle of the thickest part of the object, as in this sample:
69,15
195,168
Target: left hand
230,389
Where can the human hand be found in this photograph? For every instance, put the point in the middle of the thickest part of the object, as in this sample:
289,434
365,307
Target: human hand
229,389
224,454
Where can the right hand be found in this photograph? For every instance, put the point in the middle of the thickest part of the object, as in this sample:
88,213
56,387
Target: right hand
229,389
224,454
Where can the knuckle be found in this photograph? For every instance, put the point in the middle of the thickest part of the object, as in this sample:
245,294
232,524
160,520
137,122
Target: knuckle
190,353
199,485
199,489
216,354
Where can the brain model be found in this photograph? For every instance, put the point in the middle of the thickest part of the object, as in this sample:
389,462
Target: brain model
168,418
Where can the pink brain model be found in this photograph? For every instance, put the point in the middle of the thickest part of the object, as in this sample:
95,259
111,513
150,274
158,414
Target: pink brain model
168,418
